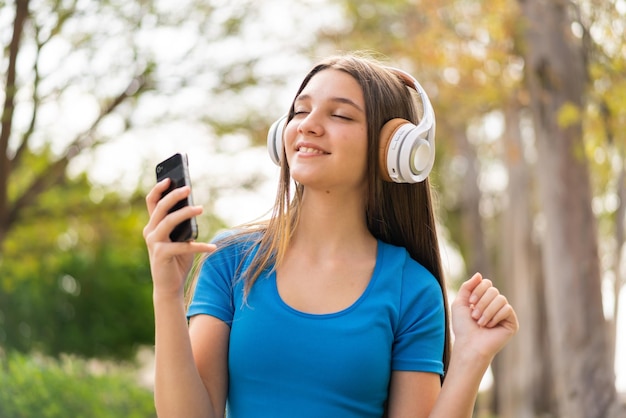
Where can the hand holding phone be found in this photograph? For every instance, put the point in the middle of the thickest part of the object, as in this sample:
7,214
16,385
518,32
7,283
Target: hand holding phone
176,168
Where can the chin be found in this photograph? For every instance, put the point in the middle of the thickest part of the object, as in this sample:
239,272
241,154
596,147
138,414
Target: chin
304,179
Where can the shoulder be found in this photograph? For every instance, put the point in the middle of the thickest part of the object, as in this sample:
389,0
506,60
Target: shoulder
237,238
216,282
417,288
397,260
234,247
236,241
418,320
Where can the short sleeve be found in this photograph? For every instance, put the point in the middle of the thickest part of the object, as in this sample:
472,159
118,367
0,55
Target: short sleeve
419,337
213,293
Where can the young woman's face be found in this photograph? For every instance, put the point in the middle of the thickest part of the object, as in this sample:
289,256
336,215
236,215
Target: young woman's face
326,141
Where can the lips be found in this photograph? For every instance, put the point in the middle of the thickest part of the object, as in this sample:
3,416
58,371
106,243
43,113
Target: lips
309,149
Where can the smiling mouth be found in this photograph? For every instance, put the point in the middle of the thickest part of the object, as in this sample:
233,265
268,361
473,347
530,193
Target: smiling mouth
307,150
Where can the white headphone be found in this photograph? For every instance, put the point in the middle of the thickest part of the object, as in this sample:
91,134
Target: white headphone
407,151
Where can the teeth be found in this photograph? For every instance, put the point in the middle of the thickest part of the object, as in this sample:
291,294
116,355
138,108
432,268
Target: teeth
307,150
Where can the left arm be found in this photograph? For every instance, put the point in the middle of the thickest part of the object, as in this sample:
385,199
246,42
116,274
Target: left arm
483,322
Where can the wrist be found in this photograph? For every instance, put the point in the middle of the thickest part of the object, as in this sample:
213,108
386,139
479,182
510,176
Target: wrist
462,381
464,355
167,297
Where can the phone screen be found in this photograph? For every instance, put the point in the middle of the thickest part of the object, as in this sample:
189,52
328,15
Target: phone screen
176,168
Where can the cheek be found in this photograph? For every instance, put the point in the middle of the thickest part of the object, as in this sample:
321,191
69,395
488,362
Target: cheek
289,134
289,137
363,150
360,148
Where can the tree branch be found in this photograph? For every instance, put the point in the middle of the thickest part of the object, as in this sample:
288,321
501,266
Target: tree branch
23,146
62,17
21,15
55,173
87,139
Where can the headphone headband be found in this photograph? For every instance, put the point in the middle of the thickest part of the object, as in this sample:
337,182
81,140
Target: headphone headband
409,80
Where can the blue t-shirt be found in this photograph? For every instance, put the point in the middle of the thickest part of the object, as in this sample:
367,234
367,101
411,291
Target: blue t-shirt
287,363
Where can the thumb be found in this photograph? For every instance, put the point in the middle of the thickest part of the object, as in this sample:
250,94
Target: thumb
466,289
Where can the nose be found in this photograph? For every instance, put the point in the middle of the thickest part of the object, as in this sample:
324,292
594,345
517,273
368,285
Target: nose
311,125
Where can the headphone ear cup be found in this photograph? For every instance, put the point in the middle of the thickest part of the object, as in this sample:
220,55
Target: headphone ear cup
405,154
386,135
275,139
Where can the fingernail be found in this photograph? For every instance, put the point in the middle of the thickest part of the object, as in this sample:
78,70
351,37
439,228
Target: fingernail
481,321
473,299
475,314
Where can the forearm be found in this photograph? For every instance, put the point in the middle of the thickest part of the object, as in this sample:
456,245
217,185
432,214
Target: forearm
179,390
460,387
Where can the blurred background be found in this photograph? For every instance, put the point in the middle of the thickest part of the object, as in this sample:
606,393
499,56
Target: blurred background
530,175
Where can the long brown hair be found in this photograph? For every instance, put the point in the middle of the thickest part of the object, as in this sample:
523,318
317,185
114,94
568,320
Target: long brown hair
399,214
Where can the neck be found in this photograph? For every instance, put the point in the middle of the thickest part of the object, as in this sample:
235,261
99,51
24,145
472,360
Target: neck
331,222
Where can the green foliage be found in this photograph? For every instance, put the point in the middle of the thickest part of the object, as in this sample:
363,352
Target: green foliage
569,115
44,388
74,275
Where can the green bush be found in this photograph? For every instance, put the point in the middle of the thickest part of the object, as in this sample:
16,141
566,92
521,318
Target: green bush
32,386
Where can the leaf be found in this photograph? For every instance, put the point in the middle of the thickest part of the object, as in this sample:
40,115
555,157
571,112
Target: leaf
569,114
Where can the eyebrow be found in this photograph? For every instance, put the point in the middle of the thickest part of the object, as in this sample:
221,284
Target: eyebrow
344,100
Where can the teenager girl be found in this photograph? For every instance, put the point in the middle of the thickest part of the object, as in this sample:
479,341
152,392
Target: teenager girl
335,307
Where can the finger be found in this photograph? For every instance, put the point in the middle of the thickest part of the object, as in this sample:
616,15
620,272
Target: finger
505,317
485,299
488,312
164,228
190,247
178,255
153,197
164,204
466,289
480,290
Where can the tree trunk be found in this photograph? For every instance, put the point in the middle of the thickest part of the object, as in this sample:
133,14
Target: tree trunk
6,125
472,234
517,369
618,280
555,70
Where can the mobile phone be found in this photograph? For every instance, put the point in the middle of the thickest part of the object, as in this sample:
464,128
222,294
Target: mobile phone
176,168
